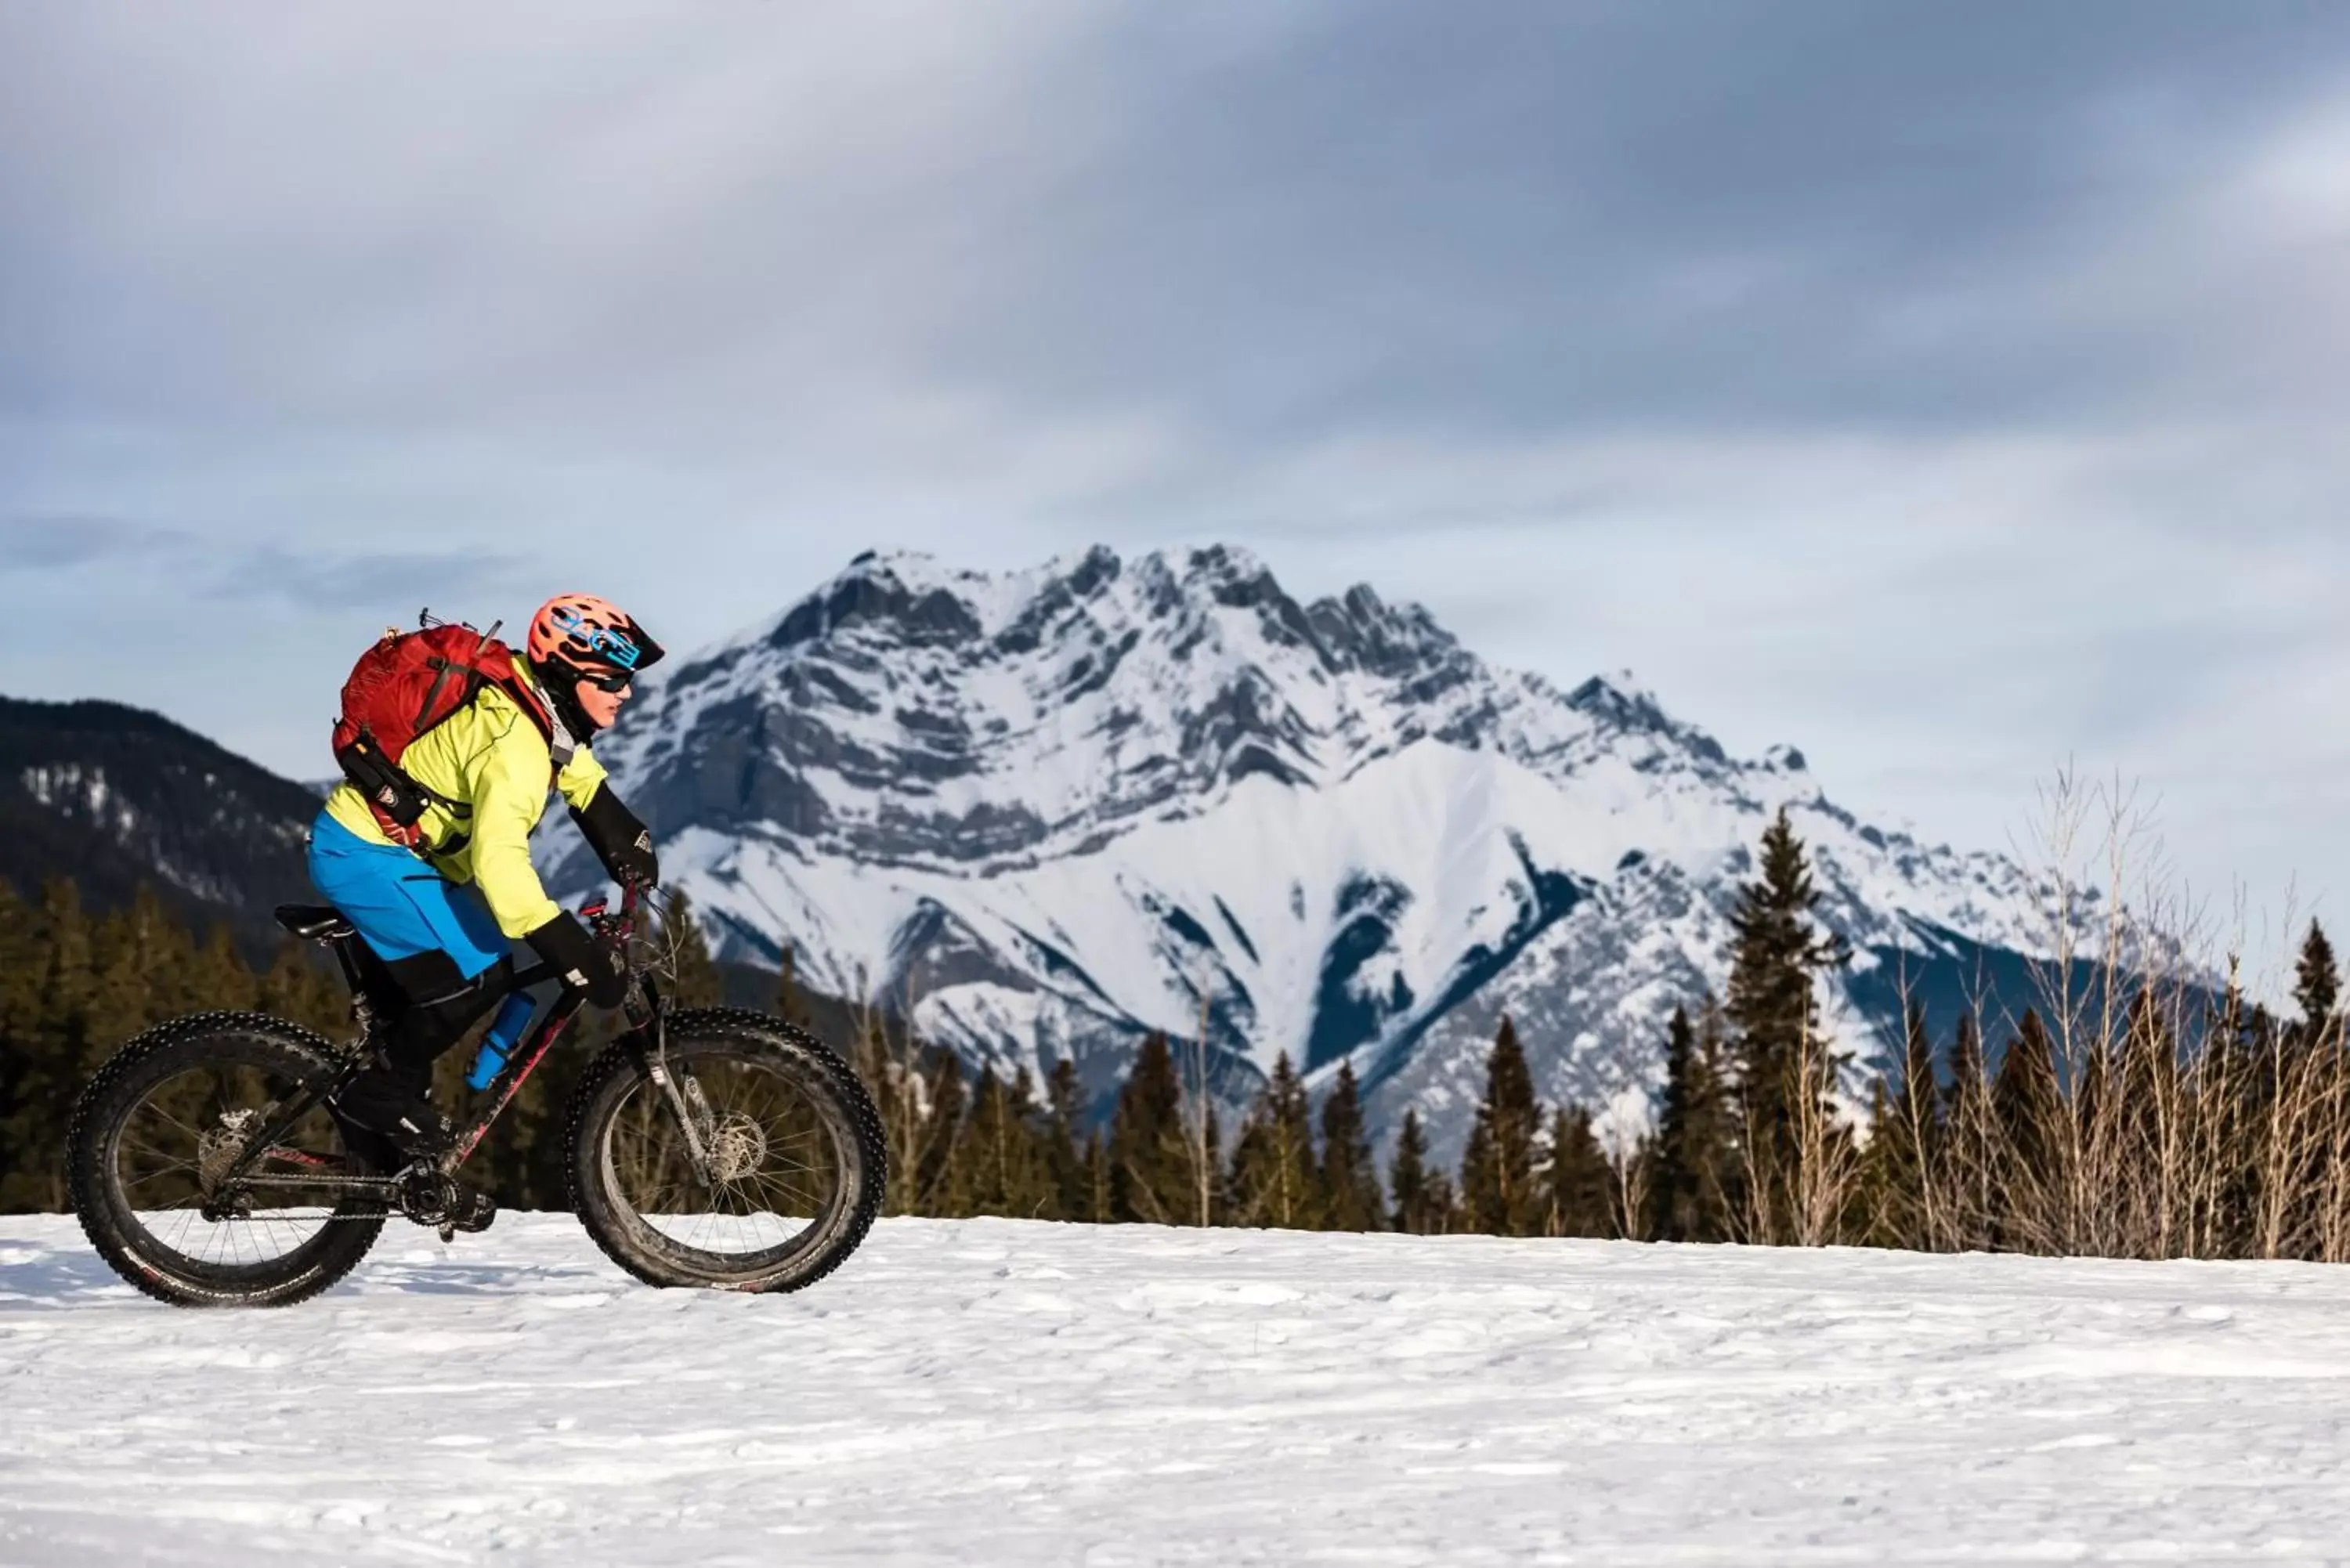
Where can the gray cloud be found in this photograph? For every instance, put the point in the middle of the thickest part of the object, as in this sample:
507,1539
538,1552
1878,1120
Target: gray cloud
1731,213
1716,213
1946,388
116,556
63,543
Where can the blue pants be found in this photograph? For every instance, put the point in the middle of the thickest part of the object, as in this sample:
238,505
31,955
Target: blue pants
400,905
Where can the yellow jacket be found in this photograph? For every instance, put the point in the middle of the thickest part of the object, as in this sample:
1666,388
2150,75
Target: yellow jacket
489,755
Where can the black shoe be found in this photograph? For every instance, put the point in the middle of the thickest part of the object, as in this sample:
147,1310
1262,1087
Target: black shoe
402,1116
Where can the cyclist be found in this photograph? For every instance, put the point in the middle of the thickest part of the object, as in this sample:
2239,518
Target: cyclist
442,915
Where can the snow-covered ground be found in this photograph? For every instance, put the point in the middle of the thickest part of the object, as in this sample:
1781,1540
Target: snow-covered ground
998,1392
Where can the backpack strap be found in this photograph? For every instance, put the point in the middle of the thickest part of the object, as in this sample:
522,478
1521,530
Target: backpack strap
560,743
561,748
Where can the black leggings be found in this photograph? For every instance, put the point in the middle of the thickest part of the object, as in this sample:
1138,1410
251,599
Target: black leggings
431,1007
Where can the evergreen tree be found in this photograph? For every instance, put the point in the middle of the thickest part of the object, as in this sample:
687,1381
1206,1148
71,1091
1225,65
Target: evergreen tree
2230,1113
1274,1179
2321,1063
29,1054
51,1061
791,1006
20,1014
2025,1107
1966,1168
219,981
1577,1185
1101,1187
1148,1162
1350,1179
1694,1160
1027,1183
1417,1211
1065,1156
1003,1153
1904,1135
1497,1169
19,968
73,990
1872,1197
2317,989
2274,1153
298,988
1785,1074
1446,1216
142,966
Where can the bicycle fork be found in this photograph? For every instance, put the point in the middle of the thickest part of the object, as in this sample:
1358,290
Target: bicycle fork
687,1103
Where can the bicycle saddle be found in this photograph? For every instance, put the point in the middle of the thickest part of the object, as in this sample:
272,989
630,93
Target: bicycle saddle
314,922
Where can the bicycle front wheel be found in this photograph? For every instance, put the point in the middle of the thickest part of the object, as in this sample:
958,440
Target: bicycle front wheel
791,1170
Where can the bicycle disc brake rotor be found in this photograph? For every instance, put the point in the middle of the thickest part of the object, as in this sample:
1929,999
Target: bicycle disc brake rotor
738,1146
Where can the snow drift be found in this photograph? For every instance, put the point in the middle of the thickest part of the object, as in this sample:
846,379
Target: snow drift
998,1392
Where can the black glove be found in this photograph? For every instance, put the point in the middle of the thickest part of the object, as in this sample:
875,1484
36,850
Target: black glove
580,962
618,839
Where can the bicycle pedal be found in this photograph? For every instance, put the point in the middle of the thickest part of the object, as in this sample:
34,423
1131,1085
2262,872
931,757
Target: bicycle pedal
448,1234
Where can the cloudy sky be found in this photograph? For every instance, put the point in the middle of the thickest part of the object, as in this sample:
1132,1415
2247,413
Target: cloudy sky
1951,390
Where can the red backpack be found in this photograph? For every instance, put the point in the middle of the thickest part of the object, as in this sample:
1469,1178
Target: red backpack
404,686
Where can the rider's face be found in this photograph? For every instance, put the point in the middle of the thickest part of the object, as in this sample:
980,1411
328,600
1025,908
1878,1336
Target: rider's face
600,705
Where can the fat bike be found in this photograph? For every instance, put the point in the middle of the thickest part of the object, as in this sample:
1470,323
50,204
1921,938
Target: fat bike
710,1148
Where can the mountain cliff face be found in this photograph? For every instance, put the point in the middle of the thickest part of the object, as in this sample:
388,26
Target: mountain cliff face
1054,809
114,797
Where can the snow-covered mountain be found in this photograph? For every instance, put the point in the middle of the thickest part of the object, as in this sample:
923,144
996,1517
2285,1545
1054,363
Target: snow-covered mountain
116,797
1052,810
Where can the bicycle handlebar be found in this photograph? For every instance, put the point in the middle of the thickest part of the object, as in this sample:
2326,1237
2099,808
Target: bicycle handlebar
620,927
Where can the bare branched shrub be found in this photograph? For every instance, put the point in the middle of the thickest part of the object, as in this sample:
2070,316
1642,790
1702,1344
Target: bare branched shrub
1630,1168
905,1088
1200,1140
2146,1104
1822,1177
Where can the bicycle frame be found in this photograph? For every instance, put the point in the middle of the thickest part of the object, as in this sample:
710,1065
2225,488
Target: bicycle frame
518,1068
642,1007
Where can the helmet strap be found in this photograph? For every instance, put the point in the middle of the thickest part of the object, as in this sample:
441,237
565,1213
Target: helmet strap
560,685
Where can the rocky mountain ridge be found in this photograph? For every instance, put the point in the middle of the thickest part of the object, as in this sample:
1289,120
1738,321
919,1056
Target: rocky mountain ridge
1051,810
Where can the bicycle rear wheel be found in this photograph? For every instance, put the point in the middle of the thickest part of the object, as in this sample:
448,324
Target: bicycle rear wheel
794,1156
153,1136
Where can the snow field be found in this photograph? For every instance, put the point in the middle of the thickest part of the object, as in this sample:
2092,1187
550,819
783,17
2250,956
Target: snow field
1000,1392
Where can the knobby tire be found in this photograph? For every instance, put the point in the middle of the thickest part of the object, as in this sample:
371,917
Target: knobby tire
705,1040
214,1041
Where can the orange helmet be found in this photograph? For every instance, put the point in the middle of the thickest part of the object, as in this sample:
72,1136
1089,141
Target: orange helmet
593,639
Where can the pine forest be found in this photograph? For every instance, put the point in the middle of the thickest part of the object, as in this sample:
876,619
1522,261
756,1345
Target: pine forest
2153,1116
